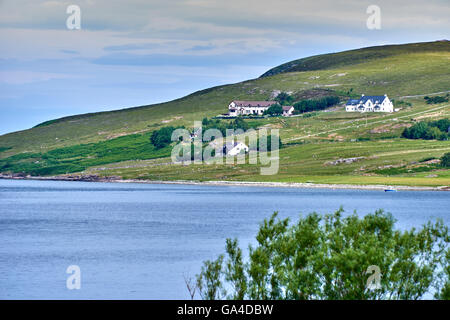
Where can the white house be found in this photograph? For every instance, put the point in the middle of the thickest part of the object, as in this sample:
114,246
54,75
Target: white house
288,111
238,108
370,104
235,148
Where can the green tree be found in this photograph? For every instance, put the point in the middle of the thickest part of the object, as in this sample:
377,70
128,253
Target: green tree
315,104
238,123
442,124
208,281
417,131
205,121
162,137
436,99
445,160
284,99
234,270
327,257
433,133
274,110
428,130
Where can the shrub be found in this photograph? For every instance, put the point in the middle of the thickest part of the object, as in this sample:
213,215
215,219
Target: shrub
427,159
284,99
428,130
162,137
238,123
274,110
443,124
328,257
436,99
445,160
315,104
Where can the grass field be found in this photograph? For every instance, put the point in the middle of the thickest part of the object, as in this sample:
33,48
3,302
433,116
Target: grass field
307,163
117,143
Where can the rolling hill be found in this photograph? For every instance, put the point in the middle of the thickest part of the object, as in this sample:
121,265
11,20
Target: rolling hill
115,143
352,57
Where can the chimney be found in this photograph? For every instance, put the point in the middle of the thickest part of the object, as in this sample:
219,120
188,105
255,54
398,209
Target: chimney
385,95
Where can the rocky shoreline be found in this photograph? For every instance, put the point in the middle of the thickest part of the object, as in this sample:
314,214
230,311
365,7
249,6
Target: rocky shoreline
85,178
116,179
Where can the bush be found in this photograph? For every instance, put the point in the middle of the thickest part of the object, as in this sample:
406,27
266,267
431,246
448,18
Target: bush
315,104
428,130
328,257
310,114
445,160
284,99
274,110
162,137
436,99
401,103
238,123
235,124
443,124
433,133
427,159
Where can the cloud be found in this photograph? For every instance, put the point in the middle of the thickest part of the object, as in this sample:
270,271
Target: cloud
179,60
70,51
248,16
202,48
132,46
18,77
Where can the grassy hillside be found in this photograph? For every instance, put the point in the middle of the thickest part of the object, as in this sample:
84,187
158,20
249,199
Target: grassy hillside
115,143
352,57
312,144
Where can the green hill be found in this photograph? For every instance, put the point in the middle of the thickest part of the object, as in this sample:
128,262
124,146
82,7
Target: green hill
115,143
352,57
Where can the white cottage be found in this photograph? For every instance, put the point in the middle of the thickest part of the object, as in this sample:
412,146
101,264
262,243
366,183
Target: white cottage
370,104
238,108
235,148
288,111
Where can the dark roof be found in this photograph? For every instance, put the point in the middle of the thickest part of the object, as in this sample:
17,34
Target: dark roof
241,103
287,108
363,99
375,99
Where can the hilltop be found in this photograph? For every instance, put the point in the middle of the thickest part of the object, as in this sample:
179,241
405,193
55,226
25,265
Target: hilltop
353,57
115,143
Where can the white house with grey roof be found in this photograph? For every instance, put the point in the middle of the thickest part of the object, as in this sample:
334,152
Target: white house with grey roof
240,108
288,111
235,148
370,104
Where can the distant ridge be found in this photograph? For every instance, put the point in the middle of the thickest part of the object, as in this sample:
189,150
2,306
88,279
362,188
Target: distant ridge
351,57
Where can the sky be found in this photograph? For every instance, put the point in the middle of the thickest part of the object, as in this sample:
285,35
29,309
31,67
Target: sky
139,52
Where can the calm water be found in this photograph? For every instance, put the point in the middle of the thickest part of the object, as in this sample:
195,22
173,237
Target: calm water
136,241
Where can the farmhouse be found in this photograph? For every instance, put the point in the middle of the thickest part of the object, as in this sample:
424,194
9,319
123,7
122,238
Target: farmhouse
370,104
238,108
288,111
235,148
